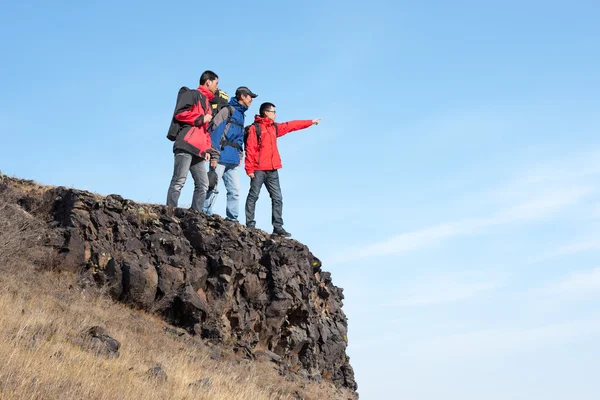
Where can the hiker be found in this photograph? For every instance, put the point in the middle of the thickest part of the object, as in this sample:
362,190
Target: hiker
228,136
217,103
192,144
263,161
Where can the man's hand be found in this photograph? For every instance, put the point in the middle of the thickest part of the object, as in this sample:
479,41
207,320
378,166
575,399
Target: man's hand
213,163
206,156
251,175
316,121
207,118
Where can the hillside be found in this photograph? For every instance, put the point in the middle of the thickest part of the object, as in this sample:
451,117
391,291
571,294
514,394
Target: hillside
185,305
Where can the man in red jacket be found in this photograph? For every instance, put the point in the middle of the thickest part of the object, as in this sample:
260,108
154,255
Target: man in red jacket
263,161
193,146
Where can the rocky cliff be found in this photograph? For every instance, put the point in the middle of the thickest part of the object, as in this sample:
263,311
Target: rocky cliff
261,296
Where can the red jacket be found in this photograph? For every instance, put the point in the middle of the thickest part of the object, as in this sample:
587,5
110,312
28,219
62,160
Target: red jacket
191,109
266,157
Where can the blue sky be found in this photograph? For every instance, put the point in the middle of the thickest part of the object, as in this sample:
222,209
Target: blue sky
451,188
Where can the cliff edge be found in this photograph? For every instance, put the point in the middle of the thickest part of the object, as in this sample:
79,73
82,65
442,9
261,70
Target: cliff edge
262,296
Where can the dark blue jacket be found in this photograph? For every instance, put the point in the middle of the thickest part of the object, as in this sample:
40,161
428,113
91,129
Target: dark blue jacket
225,136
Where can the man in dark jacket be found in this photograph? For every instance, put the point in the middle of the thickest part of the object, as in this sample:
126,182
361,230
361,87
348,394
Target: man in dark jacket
228,135
263,161
193,145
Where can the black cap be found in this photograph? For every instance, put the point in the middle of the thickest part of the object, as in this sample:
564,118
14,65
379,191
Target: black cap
244,90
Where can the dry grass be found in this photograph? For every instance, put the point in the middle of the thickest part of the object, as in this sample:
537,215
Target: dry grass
41,360
19,231
43,311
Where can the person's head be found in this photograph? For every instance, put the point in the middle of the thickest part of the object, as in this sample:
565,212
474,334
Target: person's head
210,80
267,110
244,96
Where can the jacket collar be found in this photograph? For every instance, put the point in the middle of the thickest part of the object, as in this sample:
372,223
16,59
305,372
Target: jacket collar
207,93
235,104
263,120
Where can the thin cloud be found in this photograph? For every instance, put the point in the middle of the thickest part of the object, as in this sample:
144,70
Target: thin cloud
442,291
596,211
502,340
576,247
579,247
540,207
582,165
579,283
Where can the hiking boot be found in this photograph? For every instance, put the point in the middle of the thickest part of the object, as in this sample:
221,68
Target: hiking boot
281,232
251,228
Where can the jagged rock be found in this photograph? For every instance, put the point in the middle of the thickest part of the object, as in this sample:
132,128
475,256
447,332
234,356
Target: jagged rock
203,383
203,274
215,353
98,340
170,278
157,374
303,374
317,377
269,355
140,281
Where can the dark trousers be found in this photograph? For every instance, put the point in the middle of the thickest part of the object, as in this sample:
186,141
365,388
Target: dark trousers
271,181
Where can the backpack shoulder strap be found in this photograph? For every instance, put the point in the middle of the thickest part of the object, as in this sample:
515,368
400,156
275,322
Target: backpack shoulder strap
258,137
230,118
256,126
224,142
202,101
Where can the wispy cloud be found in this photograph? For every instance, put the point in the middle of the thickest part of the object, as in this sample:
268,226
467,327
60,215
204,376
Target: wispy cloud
440,291
579,247
502,340
582,245
538,193
538,207
579,283
573,167
581,286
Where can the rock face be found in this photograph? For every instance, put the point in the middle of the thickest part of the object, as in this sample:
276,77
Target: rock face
99,341
210,276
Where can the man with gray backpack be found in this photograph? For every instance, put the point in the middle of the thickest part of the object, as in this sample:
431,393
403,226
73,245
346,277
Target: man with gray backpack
192,144
227,134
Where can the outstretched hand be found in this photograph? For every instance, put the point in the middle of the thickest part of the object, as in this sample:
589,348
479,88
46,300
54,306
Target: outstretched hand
316,121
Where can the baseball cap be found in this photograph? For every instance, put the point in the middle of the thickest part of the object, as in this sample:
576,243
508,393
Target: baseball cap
244,90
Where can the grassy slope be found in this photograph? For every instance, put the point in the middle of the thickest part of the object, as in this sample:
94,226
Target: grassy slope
43,311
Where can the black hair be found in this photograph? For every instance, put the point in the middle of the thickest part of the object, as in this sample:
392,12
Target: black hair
265,107
207,76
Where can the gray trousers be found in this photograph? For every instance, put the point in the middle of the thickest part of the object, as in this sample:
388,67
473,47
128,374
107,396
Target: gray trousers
184,163
271,180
